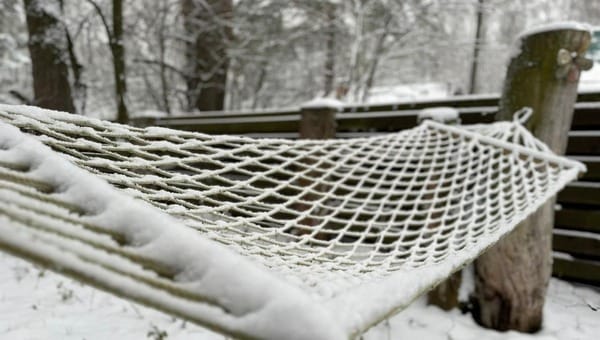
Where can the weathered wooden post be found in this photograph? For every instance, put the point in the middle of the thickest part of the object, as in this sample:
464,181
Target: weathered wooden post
511,279
445,294
317,121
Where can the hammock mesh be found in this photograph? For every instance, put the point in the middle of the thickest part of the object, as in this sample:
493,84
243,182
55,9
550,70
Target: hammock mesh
346,221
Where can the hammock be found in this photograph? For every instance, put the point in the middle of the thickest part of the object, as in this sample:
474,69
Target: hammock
265,238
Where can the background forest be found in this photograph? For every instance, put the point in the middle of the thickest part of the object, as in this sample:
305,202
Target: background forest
125,56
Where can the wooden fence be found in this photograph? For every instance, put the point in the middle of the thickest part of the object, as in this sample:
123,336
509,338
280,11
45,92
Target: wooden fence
577,222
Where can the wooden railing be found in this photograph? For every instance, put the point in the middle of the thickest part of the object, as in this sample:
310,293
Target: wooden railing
577,219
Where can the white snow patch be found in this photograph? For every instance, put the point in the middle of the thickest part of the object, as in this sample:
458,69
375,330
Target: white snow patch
38,304
322,103
577,233
439,114
515,50
570,313
467,285
393,94
555,26
563,256
150,113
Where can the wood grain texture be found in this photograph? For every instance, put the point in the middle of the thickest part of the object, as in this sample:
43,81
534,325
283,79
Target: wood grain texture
511,278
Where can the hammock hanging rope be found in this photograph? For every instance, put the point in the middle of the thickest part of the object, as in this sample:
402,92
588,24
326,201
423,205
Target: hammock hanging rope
265,238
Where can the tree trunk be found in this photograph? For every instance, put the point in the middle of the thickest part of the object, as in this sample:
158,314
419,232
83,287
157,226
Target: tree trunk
79,88
511,278
329,66
259,83
162,50
379,48
117,49
476,47
207,24
49,55
118,52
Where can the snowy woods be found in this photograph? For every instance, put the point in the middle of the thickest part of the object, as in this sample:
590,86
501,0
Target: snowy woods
114,57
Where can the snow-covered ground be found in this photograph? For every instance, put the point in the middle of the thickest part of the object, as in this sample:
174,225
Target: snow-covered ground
38,304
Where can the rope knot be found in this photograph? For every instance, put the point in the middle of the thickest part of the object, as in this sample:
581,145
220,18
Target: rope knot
523,115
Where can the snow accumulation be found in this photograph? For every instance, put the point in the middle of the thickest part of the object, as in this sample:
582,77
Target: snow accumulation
515,49
555,26
150,113
570,313
255,301
320,103
439,114
379,95
38,304
577,233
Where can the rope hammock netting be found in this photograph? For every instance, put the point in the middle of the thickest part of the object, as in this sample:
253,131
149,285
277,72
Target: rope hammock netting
265,238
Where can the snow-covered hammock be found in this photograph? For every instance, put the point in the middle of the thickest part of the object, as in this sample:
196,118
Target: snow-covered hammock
264,238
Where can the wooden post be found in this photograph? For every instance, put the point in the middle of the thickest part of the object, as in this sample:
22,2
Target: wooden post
318,119
317,122
445,294
511,279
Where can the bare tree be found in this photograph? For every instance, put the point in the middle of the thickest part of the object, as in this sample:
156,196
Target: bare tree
275,53
48,47
330,10
162,48
15,85
208,25
385,32
117,49
476,47
379,49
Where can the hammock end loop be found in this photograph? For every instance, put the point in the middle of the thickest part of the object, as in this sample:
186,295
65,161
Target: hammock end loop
523,115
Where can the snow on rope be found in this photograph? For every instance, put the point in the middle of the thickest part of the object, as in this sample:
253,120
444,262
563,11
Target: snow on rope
265,238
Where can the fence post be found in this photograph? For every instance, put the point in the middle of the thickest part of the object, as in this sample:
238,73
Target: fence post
318,119
445,294
511,279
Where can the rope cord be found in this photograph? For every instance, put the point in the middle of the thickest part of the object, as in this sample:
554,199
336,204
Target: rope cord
325,215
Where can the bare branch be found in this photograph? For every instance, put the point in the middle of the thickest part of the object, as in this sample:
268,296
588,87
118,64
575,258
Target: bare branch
166,65
109,31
